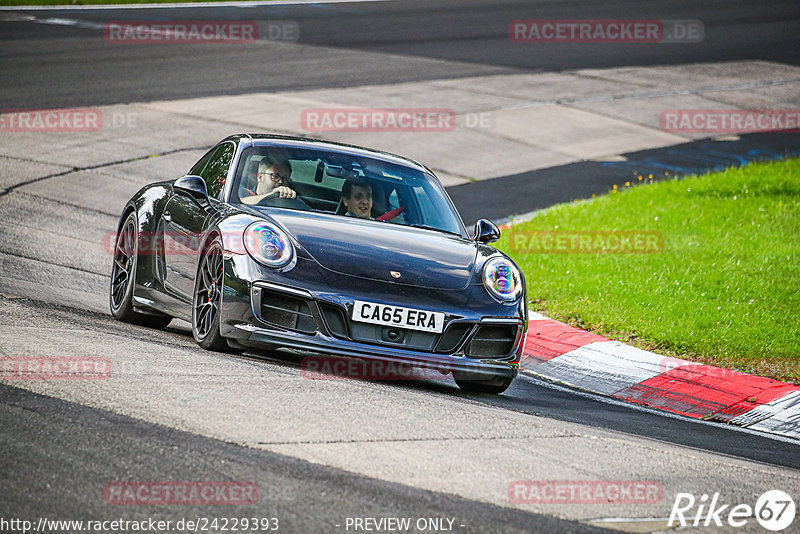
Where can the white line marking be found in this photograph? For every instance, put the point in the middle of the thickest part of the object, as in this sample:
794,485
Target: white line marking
184,5
101,26
534,316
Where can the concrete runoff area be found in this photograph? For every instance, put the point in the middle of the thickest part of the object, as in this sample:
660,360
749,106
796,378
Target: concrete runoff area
502,125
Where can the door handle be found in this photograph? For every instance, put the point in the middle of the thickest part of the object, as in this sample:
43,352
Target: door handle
167,216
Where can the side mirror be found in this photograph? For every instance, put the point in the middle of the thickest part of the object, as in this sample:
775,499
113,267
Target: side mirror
193,186
486,231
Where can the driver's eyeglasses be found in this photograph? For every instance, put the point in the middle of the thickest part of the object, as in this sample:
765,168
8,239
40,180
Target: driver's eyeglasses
276,178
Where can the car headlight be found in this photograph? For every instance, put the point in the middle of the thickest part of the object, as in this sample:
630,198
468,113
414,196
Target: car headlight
502,279
268,244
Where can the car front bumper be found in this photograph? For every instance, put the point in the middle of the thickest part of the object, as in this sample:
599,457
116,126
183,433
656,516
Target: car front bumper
262,309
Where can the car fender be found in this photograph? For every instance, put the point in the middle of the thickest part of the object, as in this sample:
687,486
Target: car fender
231,230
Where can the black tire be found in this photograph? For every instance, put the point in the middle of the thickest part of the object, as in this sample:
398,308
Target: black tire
493,386
207,298
123,274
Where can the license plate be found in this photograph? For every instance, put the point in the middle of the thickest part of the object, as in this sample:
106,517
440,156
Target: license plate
410,318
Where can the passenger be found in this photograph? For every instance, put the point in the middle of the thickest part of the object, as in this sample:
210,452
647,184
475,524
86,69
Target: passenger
357,198
274,178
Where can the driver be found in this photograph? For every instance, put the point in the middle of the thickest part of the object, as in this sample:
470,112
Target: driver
357,198
274,178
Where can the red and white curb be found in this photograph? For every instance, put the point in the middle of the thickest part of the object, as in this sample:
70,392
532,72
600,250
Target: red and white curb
562,353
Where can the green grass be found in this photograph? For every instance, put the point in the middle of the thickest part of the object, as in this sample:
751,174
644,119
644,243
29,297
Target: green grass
725,288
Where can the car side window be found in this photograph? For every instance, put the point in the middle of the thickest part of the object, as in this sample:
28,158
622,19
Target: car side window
201,164
213,168
426,207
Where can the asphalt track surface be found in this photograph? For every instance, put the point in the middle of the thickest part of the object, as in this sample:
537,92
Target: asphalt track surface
62,65
47,441
43,478
539,397
58,455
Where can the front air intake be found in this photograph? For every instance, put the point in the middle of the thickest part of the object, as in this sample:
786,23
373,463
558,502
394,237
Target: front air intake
334,319
453,336
492,341
286,311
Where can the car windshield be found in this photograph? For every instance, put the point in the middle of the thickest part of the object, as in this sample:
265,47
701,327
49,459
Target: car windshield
343,184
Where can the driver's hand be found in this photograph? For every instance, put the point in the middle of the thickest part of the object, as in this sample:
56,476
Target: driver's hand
284,192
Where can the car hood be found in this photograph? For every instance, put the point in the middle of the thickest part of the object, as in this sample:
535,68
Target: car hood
373,250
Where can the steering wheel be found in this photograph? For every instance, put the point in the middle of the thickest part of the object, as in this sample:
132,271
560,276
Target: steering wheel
389,215
278,202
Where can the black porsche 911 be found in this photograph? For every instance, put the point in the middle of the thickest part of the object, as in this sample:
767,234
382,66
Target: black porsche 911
272,241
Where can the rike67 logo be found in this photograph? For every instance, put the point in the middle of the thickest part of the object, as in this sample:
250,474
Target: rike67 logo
774,510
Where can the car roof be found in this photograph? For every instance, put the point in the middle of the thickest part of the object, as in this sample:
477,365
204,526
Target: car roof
264,139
